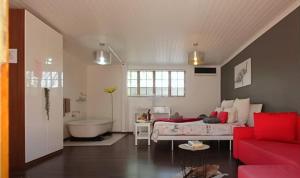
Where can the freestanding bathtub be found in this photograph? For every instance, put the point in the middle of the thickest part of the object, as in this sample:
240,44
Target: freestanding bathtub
89,128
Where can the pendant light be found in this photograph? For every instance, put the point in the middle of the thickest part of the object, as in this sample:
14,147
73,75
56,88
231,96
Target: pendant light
195,57
103,57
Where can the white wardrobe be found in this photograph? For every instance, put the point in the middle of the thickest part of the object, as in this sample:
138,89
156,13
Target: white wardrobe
43,84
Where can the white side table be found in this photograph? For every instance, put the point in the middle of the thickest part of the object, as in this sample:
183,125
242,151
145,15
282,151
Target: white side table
142,131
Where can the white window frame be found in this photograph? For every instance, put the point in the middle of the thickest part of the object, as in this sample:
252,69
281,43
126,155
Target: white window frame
154,82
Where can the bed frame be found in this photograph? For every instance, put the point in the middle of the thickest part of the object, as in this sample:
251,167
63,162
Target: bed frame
163,110
185,137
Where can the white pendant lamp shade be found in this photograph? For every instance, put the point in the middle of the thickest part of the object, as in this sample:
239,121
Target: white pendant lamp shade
103,58
195,58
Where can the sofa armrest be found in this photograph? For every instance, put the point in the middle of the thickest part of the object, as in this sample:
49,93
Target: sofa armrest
240,133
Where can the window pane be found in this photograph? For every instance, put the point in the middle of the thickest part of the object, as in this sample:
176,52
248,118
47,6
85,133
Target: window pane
143,83
158,75
165,83
158,91
173,75
133,75
133,91
180,91
150,75
150,83
181,75
128,83
161,82
128,75
143,91
180,83
166,75
158,83
133,83
165,92
143,75
174,83
173,91
149,91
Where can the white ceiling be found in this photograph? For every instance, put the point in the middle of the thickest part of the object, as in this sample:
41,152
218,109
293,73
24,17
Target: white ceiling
159,31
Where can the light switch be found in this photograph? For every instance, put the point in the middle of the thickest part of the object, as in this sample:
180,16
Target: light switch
13,55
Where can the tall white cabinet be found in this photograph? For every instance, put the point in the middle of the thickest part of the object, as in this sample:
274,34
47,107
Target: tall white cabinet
44,69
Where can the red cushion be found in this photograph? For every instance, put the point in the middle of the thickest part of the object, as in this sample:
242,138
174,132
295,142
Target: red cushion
298,130
223,117
214,114
275,126
260,152
269,171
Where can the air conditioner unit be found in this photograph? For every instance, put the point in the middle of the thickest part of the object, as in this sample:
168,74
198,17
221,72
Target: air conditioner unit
205,71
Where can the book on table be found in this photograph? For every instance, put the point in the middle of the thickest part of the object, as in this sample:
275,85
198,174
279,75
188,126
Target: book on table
195,144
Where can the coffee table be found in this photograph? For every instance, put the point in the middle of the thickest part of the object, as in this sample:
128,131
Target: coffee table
202,160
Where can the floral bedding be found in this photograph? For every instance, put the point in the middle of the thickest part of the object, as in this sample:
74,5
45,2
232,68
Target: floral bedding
191,129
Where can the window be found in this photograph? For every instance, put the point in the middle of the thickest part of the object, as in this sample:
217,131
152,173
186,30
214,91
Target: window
156,83
161,83
177,83
146,83
132,83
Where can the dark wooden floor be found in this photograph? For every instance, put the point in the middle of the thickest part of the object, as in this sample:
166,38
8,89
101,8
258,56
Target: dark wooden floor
124,160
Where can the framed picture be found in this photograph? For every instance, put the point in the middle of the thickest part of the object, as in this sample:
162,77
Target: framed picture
242,74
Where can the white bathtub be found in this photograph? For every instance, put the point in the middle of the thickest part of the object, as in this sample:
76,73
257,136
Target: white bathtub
89,128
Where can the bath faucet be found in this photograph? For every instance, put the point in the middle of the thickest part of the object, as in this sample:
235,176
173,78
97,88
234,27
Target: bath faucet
74,113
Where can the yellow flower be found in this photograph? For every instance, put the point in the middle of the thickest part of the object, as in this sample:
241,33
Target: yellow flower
110,90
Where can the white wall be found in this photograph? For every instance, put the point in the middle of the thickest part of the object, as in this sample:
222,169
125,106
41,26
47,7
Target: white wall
99,102
202,94
75,59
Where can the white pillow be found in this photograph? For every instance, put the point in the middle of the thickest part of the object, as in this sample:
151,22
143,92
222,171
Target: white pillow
219,109
232,115
227,104
242,107
254,108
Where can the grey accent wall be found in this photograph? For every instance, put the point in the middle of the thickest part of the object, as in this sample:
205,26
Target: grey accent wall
275,68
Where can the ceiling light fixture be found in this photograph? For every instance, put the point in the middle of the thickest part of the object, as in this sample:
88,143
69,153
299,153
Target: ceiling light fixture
195,57
105,53
103,57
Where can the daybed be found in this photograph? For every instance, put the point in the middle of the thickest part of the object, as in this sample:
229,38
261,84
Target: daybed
198,130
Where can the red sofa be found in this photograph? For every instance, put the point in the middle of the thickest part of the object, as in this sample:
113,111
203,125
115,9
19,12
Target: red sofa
267,158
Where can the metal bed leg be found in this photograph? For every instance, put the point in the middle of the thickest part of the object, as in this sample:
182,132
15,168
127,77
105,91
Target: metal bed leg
230,142
172,145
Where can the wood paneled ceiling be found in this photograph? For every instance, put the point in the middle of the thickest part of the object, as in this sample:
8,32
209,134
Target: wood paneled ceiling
159,31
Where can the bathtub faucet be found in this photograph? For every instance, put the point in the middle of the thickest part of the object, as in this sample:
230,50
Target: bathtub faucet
74,113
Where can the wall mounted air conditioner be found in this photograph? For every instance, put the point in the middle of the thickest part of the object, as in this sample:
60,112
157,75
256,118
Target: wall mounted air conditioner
199,71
